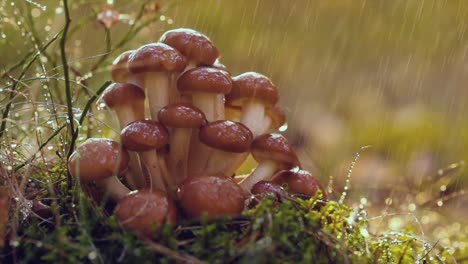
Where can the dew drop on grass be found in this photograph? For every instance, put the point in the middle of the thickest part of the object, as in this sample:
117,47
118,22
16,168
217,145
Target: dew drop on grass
92,255
14,243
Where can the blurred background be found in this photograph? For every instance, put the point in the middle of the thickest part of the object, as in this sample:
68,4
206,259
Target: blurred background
351,73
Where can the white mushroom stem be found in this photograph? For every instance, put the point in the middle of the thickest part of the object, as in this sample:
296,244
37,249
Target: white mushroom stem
221,161
150,163
206,103
174,96
219,107
157,91
190,65
167,177
199,154
252,115
178,155
134,175
237,160
112,187
264,170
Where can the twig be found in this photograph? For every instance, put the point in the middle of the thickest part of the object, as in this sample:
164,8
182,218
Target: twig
66,75
184,258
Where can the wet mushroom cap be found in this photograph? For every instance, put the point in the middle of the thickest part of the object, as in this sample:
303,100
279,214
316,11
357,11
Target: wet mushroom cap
263,188
274,147
181,115
299,182
250,86
205,79
97,158
119,70
123,93
226,135
216,195
144,135
192,44
144,210
156,57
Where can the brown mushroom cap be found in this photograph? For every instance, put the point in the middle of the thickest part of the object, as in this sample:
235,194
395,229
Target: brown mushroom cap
263,188
277,116
252,86
216,195
119,68
299,182
226,135
274,147
183,115
204,79
118,94
192,44
144,210
144,135
97,158
156,57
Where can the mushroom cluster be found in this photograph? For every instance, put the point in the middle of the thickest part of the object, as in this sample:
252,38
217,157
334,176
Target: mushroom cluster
186,126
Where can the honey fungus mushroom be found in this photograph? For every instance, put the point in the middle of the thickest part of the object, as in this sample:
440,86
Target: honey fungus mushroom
214,195
100,160
227,138
127,101
195,46
143,211
155,62
145,137
182,119
299,181
273,153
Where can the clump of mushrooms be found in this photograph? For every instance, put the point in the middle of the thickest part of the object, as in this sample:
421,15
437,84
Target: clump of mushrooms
204,124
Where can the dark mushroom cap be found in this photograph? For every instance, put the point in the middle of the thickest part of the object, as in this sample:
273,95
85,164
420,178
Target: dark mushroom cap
97,158
118,94
264,188
183,115
216,195
299,182
144,135
144,210
119,68
192,44
277,115
156,57
252,86
226,135
274,147
204,79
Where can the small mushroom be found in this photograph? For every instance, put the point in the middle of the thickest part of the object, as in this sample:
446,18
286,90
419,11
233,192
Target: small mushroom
155,63
214,195
99,160
274,119
262,189
272,152
299,181
120,72
195,46
143,211
145,137
204,85
228,139
183,118
253,92
127,101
